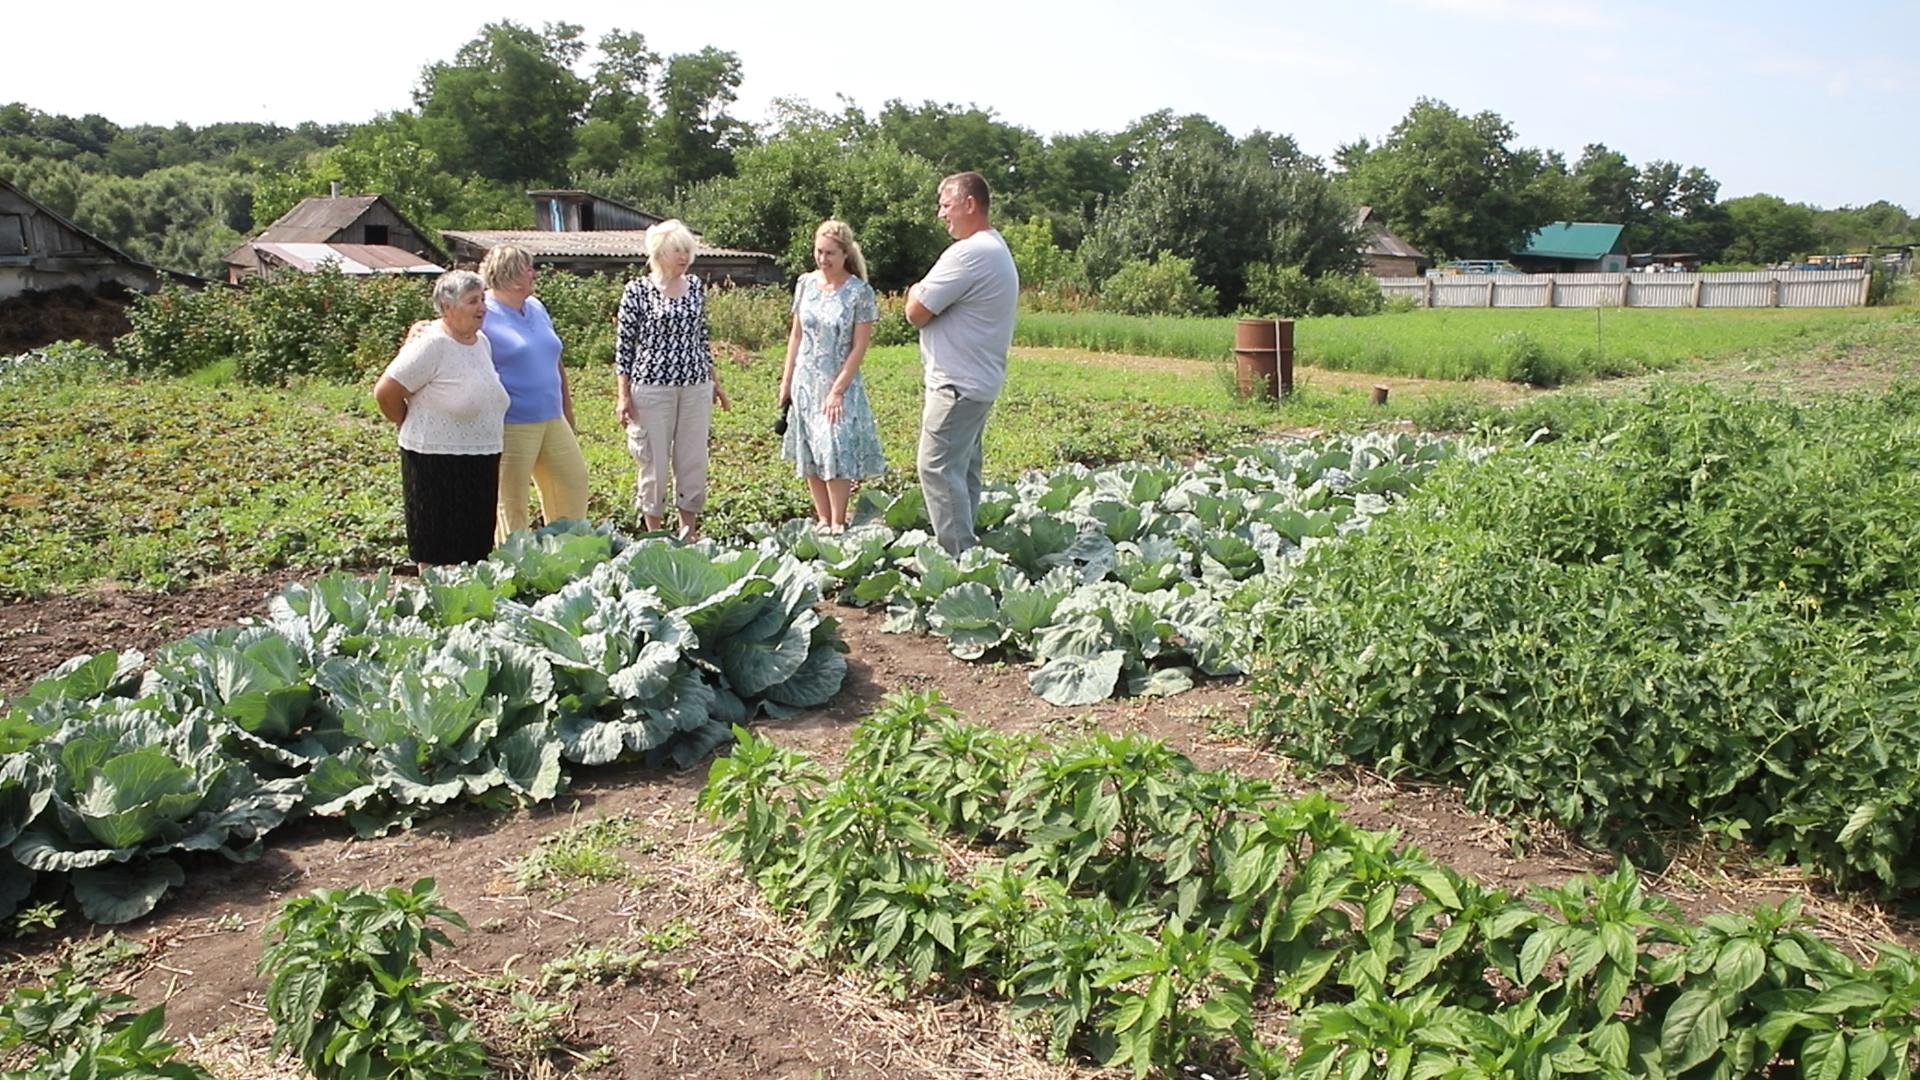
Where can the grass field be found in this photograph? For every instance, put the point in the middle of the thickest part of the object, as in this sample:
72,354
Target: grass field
1541,346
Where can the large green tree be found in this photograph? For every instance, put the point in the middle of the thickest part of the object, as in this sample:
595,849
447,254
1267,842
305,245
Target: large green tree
1858,228
1769,229
505,107
1453,185
620,113
1225,207
818,167
1605,187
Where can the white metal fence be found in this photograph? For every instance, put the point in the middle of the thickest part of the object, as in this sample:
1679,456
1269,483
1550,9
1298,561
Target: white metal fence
1765,288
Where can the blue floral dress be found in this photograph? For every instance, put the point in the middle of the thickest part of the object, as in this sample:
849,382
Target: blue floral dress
850,449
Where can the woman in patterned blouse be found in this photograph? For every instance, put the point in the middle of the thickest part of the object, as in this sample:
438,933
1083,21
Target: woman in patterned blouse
831,436
666,382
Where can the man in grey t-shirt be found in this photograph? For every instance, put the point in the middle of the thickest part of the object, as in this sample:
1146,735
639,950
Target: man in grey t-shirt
965,308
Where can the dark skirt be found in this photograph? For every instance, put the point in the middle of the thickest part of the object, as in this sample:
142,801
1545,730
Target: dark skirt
451,500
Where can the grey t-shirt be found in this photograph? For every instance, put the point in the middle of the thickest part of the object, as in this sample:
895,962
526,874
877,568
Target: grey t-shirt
974,294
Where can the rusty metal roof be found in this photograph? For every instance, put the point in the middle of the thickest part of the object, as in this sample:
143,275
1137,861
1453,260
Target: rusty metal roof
317,219
604,244
350,258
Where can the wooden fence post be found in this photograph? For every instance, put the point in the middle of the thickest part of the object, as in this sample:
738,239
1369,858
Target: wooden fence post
1489,292
1428,298
1624,282
1549,290
1697,283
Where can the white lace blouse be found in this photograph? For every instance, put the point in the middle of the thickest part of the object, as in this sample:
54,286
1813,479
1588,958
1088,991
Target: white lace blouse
457,405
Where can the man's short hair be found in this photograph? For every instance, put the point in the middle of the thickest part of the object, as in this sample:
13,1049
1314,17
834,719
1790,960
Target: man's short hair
970,184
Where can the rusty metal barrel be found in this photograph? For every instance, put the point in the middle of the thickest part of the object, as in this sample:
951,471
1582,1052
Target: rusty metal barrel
1263,358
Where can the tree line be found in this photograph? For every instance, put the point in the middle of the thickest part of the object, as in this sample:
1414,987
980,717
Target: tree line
517,108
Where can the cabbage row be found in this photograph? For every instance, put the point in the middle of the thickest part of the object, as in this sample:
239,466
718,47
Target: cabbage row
1115,580
377,702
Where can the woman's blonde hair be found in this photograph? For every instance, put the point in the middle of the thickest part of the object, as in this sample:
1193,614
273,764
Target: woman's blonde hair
841,233
669,235
503,264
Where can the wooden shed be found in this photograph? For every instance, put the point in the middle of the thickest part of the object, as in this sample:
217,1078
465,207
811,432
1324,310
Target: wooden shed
1383,253
567,210
41,251
364,223
610,251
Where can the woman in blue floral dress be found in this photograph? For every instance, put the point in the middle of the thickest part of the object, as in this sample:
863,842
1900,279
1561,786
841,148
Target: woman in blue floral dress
831,436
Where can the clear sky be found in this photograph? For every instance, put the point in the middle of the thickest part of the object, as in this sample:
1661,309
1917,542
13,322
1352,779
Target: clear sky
1816,102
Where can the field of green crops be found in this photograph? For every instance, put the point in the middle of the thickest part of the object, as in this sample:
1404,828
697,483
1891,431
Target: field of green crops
1673,611
1543,347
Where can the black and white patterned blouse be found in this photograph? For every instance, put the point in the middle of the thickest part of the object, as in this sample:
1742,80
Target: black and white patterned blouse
661,340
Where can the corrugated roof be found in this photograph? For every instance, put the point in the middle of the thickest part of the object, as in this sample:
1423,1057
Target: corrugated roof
606,244
318,218
351,258
1573,240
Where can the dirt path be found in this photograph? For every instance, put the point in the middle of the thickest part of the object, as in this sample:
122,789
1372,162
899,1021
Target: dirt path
1305,375
737,997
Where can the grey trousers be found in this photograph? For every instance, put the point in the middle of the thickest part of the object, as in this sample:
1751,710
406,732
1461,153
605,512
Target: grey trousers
951,453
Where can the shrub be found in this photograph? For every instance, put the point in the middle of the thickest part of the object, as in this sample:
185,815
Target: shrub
58,362
178,330
347,993
79,1031
326,324
583,307
1286,292
892,328
1165,286
753,317
1525,360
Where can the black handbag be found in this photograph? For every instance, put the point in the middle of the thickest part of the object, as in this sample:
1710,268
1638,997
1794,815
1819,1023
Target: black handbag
780,422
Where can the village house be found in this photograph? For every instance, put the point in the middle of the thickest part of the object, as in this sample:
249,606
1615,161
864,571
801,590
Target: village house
1383,253
1574,247
359,234
583,233
41,251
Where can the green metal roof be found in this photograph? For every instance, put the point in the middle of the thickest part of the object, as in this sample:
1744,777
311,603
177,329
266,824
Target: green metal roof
1575,240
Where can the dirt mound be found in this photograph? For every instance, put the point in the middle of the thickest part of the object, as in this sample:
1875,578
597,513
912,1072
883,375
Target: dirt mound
33,319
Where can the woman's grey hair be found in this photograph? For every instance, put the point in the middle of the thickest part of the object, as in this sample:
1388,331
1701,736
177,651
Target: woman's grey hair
503,265
669,235
451,286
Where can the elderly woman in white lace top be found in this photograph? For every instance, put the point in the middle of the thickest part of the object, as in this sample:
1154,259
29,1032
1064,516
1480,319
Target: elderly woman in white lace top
443,394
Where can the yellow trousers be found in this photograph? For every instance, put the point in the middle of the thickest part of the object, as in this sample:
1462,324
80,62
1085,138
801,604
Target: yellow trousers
545,455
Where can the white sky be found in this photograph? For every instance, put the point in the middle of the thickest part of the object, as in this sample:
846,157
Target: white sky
1818,103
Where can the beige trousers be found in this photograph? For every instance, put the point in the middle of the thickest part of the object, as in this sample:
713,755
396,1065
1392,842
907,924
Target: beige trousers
544,455
669,433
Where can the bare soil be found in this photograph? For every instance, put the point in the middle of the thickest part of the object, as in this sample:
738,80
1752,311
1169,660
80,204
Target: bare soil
1304,375
741,998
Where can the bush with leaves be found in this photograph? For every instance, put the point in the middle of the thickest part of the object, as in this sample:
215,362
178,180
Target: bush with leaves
1143,912
1286,292
181,329
347,993
1165,285
326,324
1701,617
77,1031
